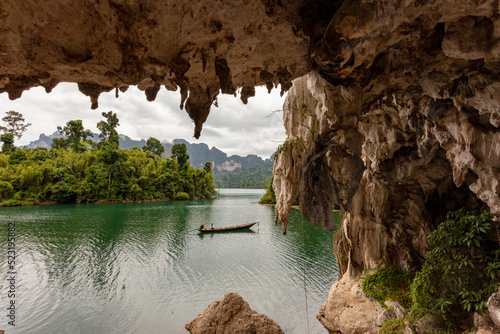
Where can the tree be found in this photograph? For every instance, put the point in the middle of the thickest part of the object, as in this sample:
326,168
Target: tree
108,127
75,134
59,143
179,152
15,124
208,167
154,146
113,158
8,142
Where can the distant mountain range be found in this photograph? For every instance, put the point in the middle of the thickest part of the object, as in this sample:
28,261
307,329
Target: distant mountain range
232,171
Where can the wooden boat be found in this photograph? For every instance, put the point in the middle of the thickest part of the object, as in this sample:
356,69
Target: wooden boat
203,229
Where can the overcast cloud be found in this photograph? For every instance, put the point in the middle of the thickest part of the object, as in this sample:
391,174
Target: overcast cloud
233,127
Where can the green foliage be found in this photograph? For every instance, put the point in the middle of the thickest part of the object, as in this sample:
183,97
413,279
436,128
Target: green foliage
59,143
389,283
108,127
8,142
105,174
393,326
208,167
291,144
462,269
181,196
74,133
461,272
154,146
17,156
14,124
63,192
179,153
269,197
255,177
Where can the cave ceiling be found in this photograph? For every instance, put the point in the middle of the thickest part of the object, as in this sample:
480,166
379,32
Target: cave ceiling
204,48
200,48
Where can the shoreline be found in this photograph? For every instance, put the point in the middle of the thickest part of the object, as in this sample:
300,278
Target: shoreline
105,202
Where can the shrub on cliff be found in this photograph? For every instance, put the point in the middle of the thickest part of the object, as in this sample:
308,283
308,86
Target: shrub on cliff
388,284
462,269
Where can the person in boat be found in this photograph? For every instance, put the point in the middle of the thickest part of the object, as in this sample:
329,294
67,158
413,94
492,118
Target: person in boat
201,227
211,226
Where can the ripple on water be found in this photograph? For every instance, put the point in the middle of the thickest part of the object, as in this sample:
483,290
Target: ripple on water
133,268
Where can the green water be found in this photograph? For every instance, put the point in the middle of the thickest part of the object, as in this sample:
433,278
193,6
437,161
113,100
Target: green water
135,268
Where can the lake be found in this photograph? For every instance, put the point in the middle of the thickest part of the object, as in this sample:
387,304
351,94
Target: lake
136,268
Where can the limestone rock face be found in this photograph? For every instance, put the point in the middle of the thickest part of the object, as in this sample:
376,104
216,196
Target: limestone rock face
351,310
202,47
397,125
232,315
397,129
494,308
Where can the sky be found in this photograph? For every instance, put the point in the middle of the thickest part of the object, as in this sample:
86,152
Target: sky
233,127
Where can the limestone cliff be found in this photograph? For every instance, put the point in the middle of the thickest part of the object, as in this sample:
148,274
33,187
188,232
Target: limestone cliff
398,125
201,47
394,116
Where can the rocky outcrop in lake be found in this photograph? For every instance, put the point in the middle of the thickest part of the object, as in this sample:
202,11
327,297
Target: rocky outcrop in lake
232,315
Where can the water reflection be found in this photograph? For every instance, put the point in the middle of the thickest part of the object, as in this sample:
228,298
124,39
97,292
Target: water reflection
137,268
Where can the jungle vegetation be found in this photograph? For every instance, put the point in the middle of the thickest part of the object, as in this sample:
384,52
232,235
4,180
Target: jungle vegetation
77,170
254,177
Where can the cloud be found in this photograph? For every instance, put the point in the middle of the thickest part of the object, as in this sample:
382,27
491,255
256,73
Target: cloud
233,127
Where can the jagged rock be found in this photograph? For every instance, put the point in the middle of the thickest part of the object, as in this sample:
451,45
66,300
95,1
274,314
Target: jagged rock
232,315
351,310
494,308
197,46
483,321
403,114
428,324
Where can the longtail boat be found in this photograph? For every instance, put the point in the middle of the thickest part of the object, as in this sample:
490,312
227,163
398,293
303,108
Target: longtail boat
203,229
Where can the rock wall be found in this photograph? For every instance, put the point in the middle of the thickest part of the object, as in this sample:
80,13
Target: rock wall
201,48
398,125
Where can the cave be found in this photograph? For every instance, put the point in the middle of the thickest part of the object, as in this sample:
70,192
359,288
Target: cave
395,104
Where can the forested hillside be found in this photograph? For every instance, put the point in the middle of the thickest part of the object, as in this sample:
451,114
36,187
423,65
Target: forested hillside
235,171
254,177
77,170
199,153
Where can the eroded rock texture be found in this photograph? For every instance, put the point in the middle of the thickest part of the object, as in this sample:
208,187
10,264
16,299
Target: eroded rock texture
200,47
232,315
355,313
398,125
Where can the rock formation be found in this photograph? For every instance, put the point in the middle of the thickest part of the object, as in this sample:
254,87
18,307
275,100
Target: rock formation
232,315
398,125
393,116
363,314
199,47
494,308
